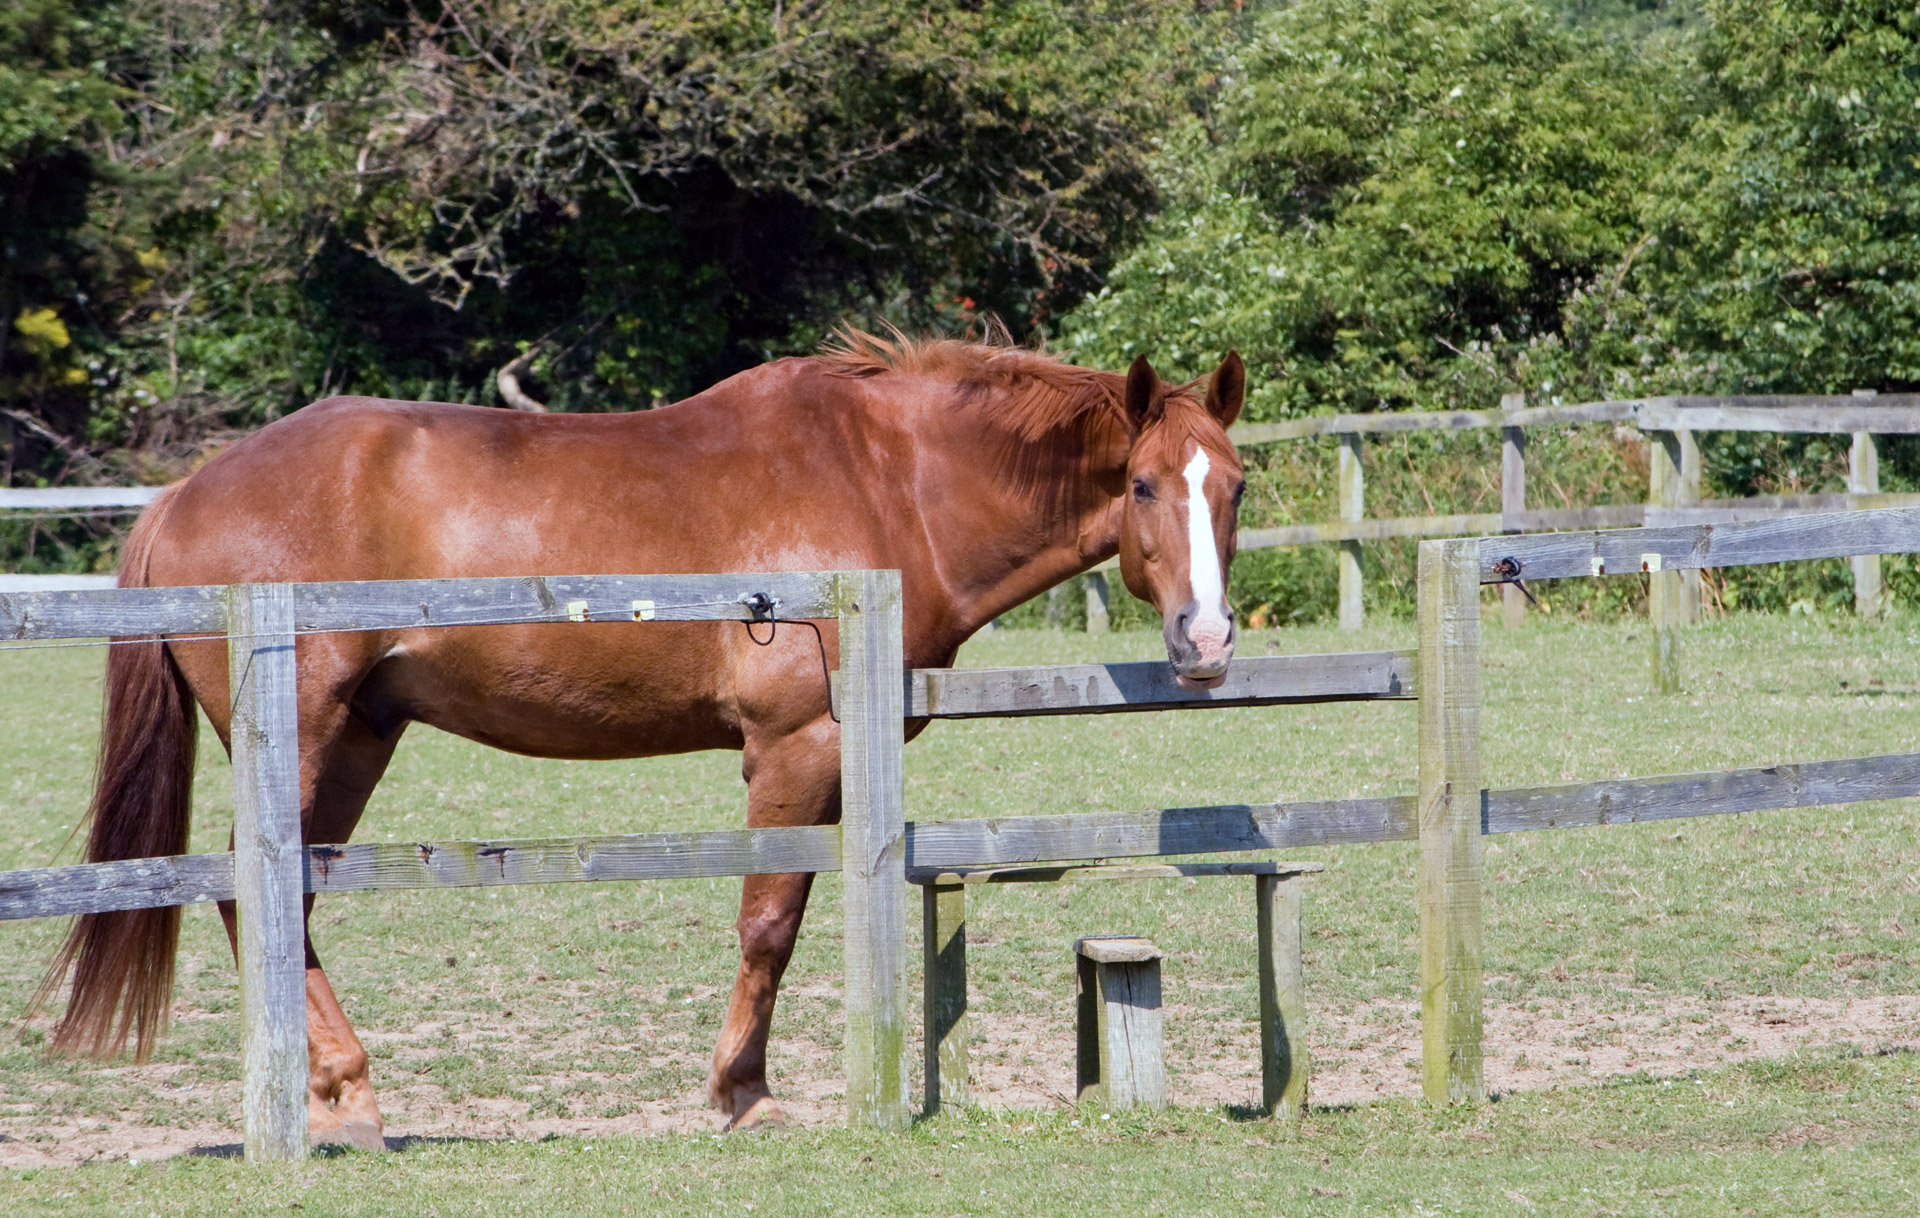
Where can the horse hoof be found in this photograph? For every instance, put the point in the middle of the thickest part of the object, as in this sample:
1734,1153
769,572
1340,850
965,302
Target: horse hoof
763,1113
357,1135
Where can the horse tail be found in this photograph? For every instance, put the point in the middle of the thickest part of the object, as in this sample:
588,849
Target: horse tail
122,962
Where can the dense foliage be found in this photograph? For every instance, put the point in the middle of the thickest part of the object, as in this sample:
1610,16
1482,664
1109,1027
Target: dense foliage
1424,203
1416,204
215,214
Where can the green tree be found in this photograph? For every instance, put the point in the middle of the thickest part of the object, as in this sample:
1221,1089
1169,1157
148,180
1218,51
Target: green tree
55,110
1392,207
396,196
1787,223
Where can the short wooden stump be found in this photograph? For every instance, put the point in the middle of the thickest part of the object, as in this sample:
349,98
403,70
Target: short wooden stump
1118,1062
1283,1001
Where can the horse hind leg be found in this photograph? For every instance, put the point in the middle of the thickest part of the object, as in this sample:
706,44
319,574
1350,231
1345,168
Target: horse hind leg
792,781
336,782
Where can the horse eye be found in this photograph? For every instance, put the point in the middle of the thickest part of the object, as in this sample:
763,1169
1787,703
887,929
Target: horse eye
1239,493
1142,493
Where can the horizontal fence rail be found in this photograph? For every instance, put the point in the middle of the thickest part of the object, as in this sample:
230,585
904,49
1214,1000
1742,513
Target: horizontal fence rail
1541,520
1886,414
56,583
405,604
1077,689
1862,414
83,498
374,866
1740,544
933,846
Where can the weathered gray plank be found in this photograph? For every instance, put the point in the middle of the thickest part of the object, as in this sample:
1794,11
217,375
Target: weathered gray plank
113,611
56,583
967,845
1598,516
1628,801
1618,551
1583,412
1067,689
1108,871
873,845
1513,499
1535,520
1863,478
1452,981
635,856
1888,414
1673,595
943,927
1779,401
961,844
46,892
1099,602
266,872
1893,414
1386,528
1120,1063
1283,996
391,604
56,498
1353,510
396,604
59,892
1378,529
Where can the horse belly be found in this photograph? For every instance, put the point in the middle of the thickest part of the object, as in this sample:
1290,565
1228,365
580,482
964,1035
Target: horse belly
577,692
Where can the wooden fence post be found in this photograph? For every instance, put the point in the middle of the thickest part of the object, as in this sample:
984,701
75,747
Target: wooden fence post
1119,1056
1513,500
1353,506
1863,478
873,846
1097,602
1283,996
268,872
943,924
1673,597
1449,821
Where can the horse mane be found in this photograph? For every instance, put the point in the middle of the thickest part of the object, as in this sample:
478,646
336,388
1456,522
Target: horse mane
1040,393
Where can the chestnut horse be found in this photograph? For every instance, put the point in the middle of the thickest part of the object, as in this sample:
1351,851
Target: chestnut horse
985,474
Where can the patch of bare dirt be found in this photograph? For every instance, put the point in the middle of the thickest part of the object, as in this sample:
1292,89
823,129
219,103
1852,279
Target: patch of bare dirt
1026,1062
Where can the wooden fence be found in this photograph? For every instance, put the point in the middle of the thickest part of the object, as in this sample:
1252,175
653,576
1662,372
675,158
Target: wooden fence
874,845
873,695
269,870
1673,497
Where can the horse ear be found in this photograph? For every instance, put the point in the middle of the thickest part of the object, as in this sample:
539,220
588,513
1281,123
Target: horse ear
1228,389
1142,392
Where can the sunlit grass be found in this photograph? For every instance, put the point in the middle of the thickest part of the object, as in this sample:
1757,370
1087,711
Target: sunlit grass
610,995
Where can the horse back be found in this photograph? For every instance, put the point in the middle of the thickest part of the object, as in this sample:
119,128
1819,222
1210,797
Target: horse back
749,476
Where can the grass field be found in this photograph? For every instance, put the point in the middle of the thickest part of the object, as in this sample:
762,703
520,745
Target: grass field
1712,1016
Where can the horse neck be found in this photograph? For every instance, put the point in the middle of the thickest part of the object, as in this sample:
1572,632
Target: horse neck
1019,524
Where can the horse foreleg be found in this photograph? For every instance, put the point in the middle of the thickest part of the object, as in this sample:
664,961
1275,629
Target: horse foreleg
792,781
771,907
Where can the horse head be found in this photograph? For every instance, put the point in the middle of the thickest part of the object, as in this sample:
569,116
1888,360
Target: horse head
1180,513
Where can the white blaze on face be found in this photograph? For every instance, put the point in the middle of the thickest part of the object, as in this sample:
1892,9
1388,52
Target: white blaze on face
1209,629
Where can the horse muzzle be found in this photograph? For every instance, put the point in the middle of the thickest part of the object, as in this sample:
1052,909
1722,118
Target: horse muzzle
1199,646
